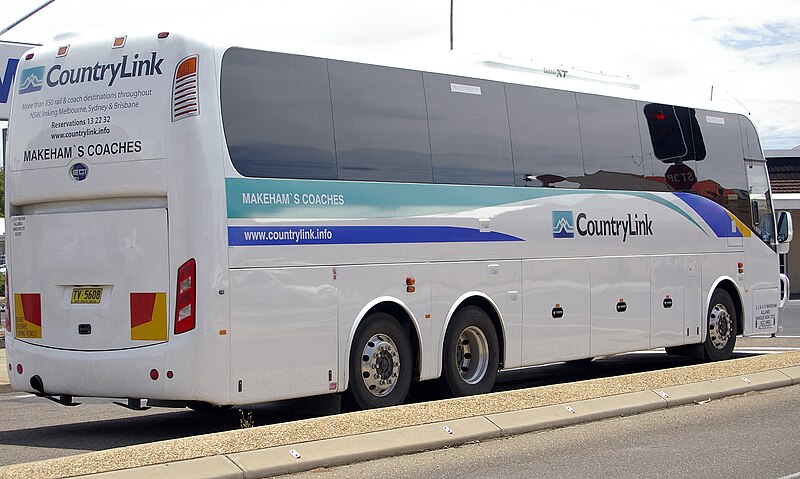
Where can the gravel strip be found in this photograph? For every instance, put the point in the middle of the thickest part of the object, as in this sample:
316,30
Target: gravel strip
389,418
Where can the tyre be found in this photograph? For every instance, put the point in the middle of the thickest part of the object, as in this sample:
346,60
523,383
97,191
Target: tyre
722,326
381,363
471,354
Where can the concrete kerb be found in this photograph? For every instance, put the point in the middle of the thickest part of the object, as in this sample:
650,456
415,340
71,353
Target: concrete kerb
469,419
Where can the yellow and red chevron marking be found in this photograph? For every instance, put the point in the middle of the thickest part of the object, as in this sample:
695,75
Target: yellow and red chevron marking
28,315
148,316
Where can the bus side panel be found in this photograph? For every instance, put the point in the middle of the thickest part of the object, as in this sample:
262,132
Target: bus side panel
363,287
761,307
716,268
693,301
283,334
620,304
666,300
500,281
556,310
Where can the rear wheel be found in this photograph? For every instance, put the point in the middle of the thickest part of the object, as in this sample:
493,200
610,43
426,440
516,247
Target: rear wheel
380,363
471,354
722,327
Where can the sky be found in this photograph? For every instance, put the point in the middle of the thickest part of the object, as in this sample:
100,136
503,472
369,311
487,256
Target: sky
748,51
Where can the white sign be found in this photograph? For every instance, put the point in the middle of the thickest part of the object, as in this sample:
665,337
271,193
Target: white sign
10,53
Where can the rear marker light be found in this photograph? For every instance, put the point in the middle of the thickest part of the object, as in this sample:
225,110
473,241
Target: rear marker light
29,56
185,98
154,374
185,297
170,375
163,35
19,369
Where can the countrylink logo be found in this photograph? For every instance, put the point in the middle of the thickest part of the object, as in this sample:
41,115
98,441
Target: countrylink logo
563,224
31,80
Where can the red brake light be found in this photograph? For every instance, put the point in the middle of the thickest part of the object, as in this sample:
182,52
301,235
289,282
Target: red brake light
185,305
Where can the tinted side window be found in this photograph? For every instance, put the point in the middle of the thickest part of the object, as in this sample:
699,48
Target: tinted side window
612,151
470,140
672,145
380,122
752,146
722,173
545,138
276,113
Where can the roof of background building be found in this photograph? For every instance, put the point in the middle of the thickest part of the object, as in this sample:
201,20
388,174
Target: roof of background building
784,170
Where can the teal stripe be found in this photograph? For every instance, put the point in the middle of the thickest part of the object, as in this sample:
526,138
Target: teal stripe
366,199
358,199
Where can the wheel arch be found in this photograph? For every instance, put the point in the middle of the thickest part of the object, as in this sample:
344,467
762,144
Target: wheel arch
398,310
728,285
484,302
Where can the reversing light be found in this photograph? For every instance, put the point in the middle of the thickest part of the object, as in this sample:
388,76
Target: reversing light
185,307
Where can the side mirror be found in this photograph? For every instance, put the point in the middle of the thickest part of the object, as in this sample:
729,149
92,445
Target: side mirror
785,231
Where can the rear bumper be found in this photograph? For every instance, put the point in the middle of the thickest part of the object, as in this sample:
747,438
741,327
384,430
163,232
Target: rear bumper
113,374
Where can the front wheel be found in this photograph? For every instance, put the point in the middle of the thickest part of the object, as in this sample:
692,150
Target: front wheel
471,354
722,327
380,363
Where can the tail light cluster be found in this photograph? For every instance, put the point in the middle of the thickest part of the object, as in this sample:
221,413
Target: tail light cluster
185,101
185,304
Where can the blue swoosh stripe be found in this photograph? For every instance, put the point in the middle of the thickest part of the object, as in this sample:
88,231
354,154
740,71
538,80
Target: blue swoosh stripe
317,235
713,214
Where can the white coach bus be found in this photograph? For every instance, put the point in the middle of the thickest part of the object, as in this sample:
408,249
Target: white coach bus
201,224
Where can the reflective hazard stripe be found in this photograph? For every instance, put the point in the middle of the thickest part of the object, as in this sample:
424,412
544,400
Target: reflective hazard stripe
148,316
28,315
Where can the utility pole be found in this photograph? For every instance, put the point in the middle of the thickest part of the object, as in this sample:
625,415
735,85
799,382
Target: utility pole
48,2
451,25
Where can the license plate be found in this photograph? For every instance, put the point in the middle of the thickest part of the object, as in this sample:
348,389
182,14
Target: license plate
86,295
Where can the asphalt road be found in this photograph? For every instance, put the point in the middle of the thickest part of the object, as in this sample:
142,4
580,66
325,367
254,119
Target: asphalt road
789,319
749,436
34,429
